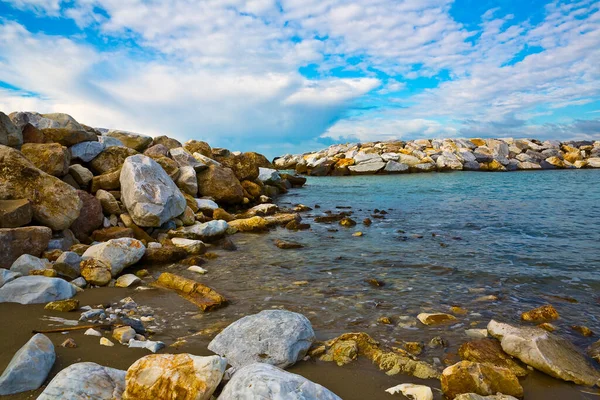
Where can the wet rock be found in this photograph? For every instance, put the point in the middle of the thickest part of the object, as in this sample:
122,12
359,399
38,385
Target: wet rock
69,344
594,351
86,151
283,244
435,318
10,135
90,218
254,224
123,334
204,297
474,396
52,158
132,140
96,272
85,380
68,137
295,225
150,196
347,222
487,351
545,352
164,376
483,379
27,263
192,247
117,253
541,314
164,255
15,213
208,231
29,367
110,159
127,280
114,232
62,305
221,184
583,330
264,381
54,203
272,336
411,391
82,175
105,342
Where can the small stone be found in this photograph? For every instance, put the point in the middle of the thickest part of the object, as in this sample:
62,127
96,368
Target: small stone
384,320
123,334
477,333
127,280
105,342
92,332
347,222
435,318
197,269
69,344
547,327
357,234
412,391
146,344
584,330
541,314
63,305
283,244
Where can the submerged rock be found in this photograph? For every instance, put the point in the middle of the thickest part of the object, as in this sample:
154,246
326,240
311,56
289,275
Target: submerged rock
207,231
83,381
29,367
544,313
264,381
435,318
36,290
275,337
174,376
546,352
204,297
483,379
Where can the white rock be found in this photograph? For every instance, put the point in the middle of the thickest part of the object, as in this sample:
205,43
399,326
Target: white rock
268,175
414,392
7,276
118,253
185,159
477,333
190,245
206,205
92,332
36,290
187,180
206,231
146,344
395,167
127,280
105,342
84,381
148,193
26,263
197,269
29,367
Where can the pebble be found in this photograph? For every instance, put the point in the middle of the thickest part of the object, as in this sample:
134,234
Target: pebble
92,332
197,269
69,343
105,342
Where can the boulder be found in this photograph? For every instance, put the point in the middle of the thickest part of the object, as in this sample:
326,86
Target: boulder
264,381
545,352
90,218
62,305
68,137
111,159
43,121
488,351
170,167
196,146
107,181
86,151
96,272
393,167
29,367
15,213
593,162
435,318
148,193
7,276
127,280
123,334
86,380
27,263
10,135
187,180
170,376
14,242
31,134
185,159
245,166
192,247
221,184
253,224
276,337
54,203
163,255
52,158
166,141
68,265
157,151
36,290
117,253
269,175
81,174
132,140
206,206
483,379
367,168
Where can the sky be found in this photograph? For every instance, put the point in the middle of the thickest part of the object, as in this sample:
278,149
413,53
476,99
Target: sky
289,76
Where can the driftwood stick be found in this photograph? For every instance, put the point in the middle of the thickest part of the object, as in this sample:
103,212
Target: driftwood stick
74,328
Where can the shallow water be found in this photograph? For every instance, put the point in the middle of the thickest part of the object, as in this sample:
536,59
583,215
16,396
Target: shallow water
529,238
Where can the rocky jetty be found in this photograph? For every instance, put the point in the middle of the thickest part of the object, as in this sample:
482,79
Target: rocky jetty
423,155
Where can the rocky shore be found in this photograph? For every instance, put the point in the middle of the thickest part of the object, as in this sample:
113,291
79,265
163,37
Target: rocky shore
84,208
395,157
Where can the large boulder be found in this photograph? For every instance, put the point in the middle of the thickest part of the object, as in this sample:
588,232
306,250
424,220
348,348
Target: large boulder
45,121
27,263
545,351
10,135
8,275
170,376
221,184
148,193
36,290
117,253
264,381
166,141
68,137
208,231
245,166
15,213
90,218
276,337
29,367
54,203
111,159
489,351
83,381
367,168
86,151
197,146
185,159
483,379
132,140
52,158
14,242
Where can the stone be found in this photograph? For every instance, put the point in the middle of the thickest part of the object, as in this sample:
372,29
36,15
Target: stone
192,247
276,337
367,168
29,367
284,244
170,167
187,180
544,313
203,296
526,165
474,396
264,381
52,158
593,162
8,276
166,141
14,242
262,210
170,376
31,134
488,351
114,232
63,305
111,159
132,140
245,166
27,263
68,137
96,272
123,334
108,202
157,151
545,352
197,269
36,290
69,344
81,174
150,196
435,318
90,218
106,342
85,380
43,121
118,254
253,224
153,346
54,203
164,255
67,265
10,135
411,391
86,151
184,159
206,205
15,213
483,379
196,146
208,231
221,184
394,167
107,181
127,280
269,175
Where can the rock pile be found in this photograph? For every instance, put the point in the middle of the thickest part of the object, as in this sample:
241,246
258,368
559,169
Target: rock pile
424,155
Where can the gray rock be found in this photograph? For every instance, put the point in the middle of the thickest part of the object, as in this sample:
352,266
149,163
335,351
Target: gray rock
409,160
109,141
206,205
36,290
545,351
187,180
79,282
483,154
29,367
86,151
146,344
471,166
367,167
67,265
81,174
62,240
148,193
276,337
207,231
268,175
26,263
10,135
361,158
185,159
264,381
395,167
86,380
118,253
45,121
7,276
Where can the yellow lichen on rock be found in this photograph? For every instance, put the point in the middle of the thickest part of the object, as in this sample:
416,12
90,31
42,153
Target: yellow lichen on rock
195,292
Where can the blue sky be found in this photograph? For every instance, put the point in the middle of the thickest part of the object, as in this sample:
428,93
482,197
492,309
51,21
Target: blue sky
296,75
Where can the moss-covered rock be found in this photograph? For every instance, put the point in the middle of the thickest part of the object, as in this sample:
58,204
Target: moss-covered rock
111,159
